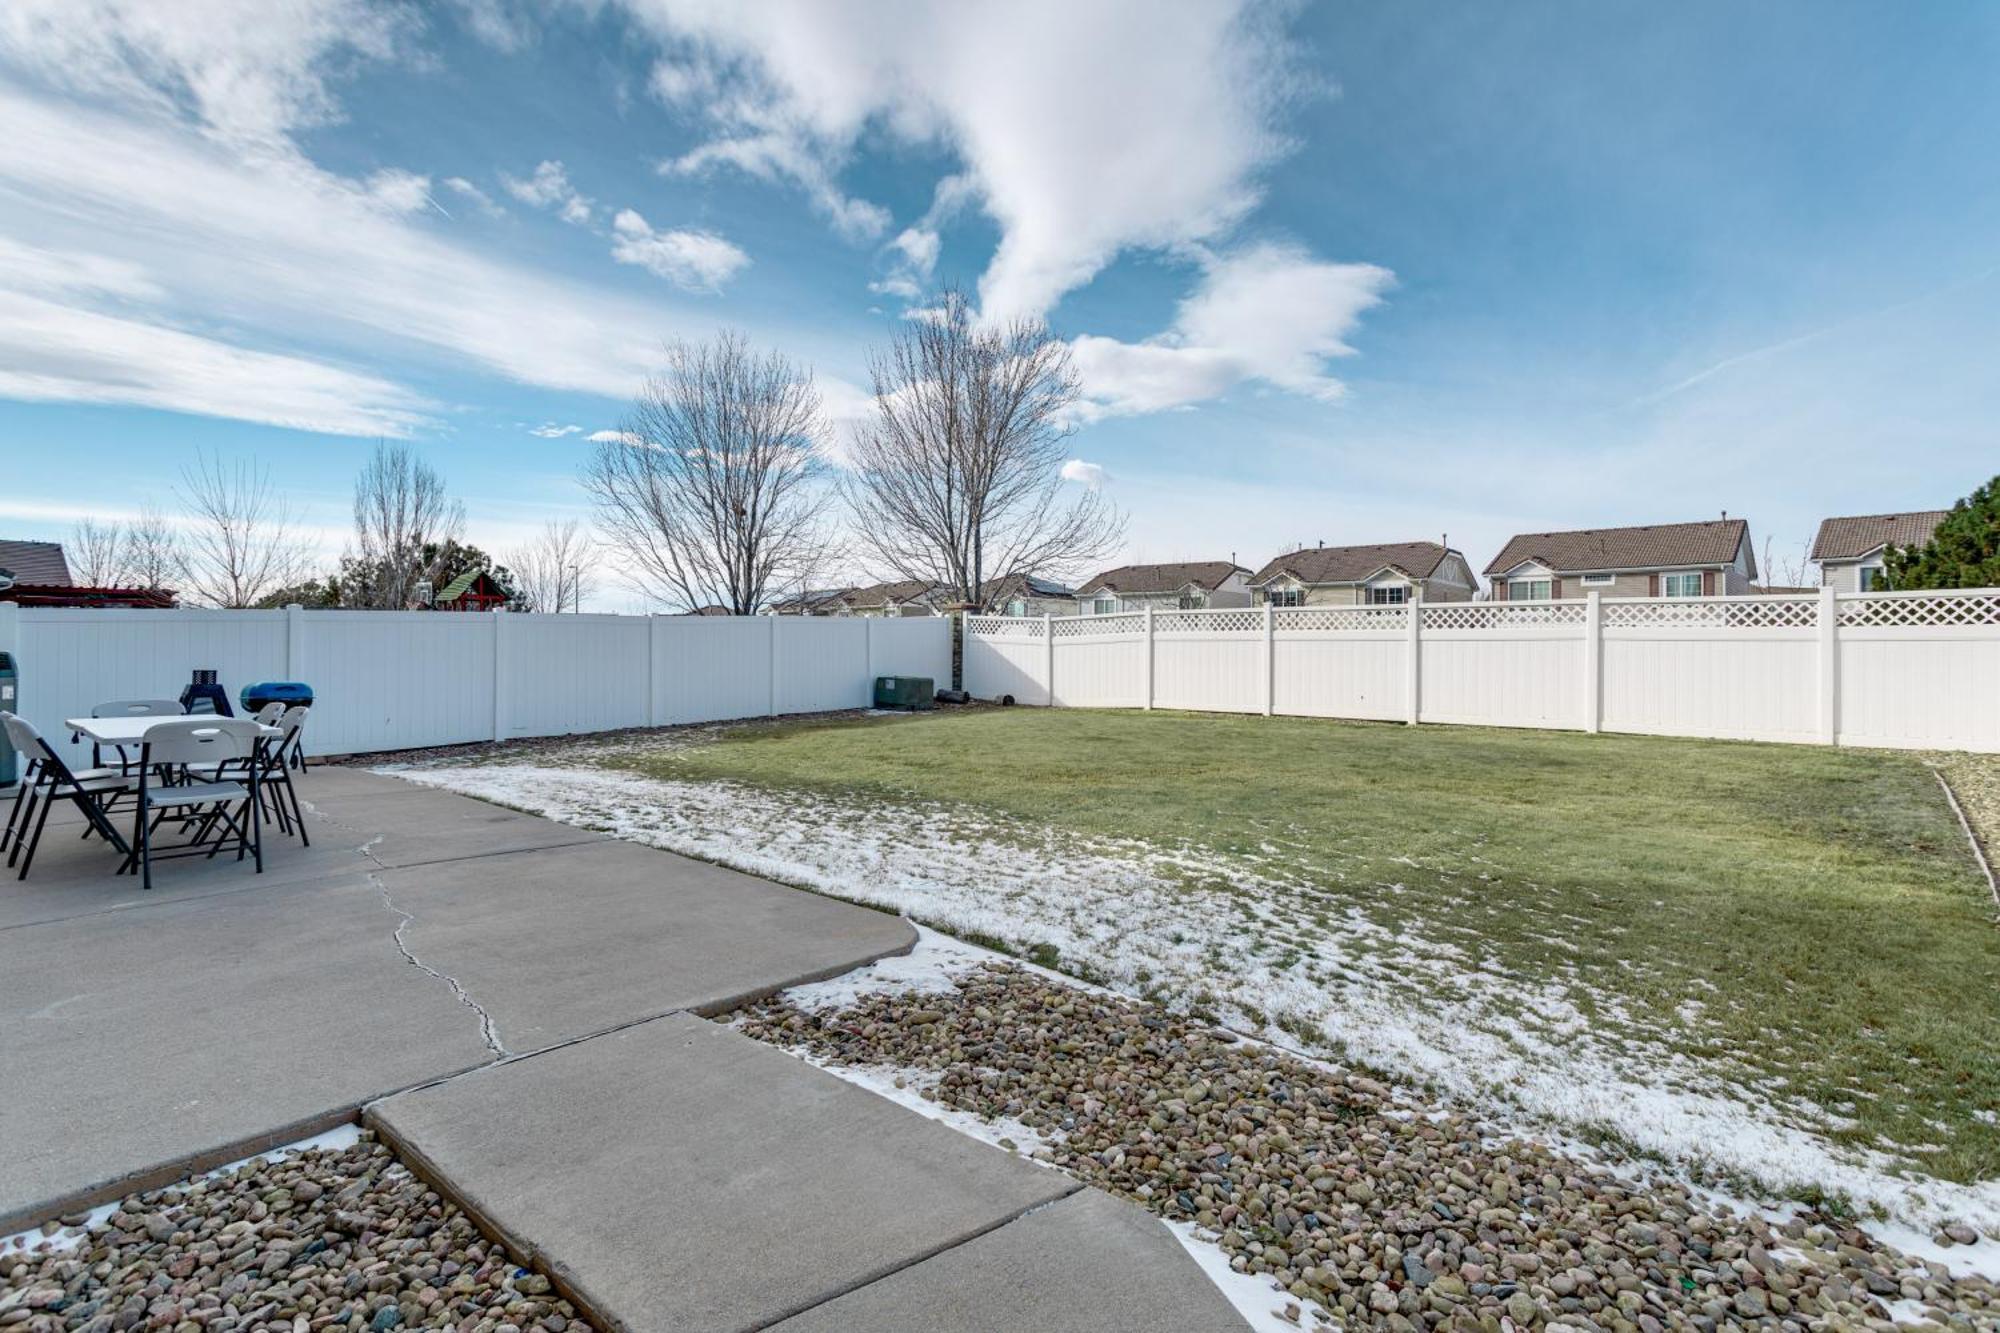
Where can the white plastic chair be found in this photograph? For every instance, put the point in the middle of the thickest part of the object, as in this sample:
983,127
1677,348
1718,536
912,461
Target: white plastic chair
195,743
48,780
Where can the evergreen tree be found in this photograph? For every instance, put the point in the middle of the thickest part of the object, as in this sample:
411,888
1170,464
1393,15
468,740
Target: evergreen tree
1964,552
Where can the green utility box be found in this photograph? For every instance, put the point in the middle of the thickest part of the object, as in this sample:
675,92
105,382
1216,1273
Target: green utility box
10,702
912,692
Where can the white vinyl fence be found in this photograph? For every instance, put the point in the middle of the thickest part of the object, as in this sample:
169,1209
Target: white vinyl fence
389,680
1917,670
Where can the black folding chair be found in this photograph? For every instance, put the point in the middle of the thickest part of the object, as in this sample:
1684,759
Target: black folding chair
48,780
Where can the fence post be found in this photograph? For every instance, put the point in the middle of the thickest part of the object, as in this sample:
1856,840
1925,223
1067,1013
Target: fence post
1149,656
1413,669
771,708
1270,659
1829,667
868,651
295,641
652,671
1049,657
1593,661
500,673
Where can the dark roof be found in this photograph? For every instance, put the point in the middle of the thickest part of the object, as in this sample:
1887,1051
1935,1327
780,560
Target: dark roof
1022,585
39,563
1208,574
902,591
1352,564
69,594
1655,546
1847,538
812,599
710,610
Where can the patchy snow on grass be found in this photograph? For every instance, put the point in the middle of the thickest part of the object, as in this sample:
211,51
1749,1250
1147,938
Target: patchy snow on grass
1272,953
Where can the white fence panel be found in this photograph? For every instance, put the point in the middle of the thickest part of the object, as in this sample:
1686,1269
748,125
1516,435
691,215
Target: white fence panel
715,667
1891,669
1341,662
1100,661
563,674
907,646
1006,656
822,663
385,680
1209,661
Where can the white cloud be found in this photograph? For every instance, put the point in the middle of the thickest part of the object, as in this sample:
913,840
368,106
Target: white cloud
699,261
549,430
614,437
61,353
1083,129
465,189
186,232
549,187
1092,475
1268,312
399,191
249,71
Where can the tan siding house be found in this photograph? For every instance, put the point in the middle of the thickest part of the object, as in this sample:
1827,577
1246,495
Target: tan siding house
1849,550
1384,574
1709,559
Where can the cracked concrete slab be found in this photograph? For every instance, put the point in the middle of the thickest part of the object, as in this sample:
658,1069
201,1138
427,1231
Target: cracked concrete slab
143,1032
677,1175
400,831
1085,1264
564,941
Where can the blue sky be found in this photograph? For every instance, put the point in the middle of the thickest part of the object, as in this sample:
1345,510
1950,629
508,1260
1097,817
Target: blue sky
1352,272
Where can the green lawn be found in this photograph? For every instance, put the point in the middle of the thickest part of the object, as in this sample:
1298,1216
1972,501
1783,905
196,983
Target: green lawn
1806,923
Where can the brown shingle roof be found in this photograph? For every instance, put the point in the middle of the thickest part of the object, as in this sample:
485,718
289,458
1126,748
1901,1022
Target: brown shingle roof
1351,564
881,594
1846,538
1207,574
39,563
1655,546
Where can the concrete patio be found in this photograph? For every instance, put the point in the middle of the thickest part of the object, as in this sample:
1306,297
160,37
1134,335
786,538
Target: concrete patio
515,1004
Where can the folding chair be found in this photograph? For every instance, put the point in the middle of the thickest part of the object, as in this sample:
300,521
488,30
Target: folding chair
279,797
133,708
194,744
48,780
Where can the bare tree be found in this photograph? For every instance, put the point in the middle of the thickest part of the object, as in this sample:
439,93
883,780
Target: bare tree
97,554
241,543
553,572
152,550
1786,572
717,492
403,520
958,480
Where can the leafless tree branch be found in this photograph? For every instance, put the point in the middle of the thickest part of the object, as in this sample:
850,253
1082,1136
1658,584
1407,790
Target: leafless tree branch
98,554
553,572
241,543
717,493
403,520
958,480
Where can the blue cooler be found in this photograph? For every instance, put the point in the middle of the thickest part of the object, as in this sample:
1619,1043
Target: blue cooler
287,692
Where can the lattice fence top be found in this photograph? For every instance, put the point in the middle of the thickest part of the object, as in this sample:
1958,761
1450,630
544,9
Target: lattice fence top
1502,615
1122,622
1976,606
1713,613
1208,622
1004,627
1336,618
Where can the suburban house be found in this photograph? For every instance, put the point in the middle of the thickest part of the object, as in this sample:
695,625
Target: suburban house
1027,595
907,597
1187,586
1709,559
1849,551
37,574
811,602
1384,574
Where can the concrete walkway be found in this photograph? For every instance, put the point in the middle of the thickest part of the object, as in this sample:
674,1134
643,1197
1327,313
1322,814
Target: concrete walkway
516,1003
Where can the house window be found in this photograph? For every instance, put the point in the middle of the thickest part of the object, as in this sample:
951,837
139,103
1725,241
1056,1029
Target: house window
1285,596
1104,605
1680,585
1599,580
1529,590
1017,607
1392,594
1872,578
1193,601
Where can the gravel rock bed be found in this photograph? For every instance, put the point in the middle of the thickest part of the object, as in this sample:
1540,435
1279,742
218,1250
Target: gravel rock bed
1387,1214
341,1238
